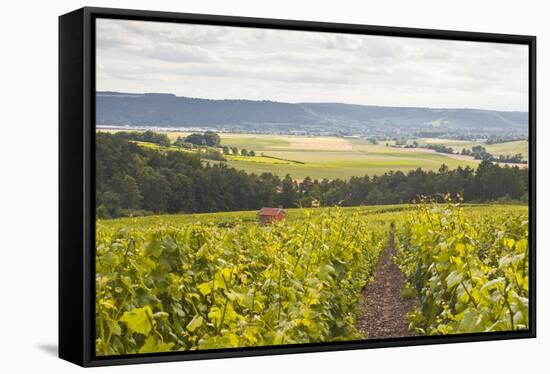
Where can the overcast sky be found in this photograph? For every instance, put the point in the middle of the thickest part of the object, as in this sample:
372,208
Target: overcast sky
294,66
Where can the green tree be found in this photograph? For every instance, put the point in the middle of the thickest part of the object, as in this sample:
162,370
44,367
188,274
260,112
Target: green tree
306,186
182,143
196,138
288,194
212,139
156,192
125,190
153,137
266,189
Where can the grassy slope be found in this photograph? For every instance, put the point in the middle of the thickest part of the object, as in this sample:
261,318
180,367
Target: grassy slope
382,212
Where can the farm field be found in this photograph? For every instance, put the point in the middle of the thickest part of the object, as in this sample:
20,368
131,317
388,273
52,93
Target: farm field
505,149
358,161
333,157
383,212
259,142
187,282
250,216
510,148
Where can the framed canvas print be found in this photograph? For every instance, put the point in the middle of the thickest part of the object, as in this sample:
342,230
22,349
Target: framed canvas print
238,186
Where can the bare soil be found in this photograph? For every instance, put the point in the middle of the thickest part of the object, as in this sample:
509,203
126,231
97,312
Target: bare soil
385,310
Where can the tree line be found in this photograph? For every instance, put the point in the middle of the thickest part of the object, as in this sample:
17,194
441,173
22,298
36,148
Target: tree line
479,152
133,180
146,136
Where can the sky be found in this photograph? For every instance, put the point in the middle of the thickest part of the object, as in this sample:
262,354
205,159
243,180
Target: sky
217,62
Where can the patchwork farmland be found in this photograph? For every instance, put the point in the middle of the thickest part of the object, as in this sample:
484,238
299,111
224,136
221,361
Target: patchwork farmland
336,157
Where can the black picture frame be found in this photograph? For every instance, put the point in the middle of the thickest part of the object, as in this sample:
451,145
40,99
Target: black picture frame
77,182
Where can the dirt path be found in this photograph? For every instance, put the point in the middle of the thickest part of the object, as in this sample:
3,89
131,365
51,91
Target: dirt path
385,308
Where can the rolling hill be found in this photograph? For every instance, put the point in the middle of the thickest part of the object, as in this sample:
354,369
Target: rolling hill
168,110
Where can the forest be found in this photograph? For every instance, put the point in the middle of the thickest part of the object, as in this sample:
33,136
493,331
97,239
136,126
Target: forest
133,180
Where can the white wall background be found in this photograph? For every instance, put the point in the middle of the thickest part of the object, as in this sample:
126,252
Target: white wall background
28,188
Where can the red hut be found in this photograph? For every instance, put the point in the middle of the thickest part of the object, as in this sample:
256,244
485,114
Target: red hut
271,215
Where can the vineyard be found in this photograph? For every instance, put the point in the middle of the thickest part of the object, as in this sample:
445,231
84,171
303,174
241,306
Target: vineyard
176,283
469,272
202,286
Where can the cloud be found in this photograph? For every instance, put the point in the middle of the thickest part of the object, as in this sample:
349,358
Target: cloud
296,66
384,47
344,42
432,54
179,53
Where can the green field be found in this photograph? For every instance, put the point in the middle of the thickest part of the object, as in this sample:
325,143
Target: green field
382,212
331,157
505,149
334,157
510,148
295,214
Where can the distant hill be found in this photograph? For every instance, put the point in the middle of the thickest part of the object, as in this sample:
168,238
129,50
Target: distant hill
167,110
